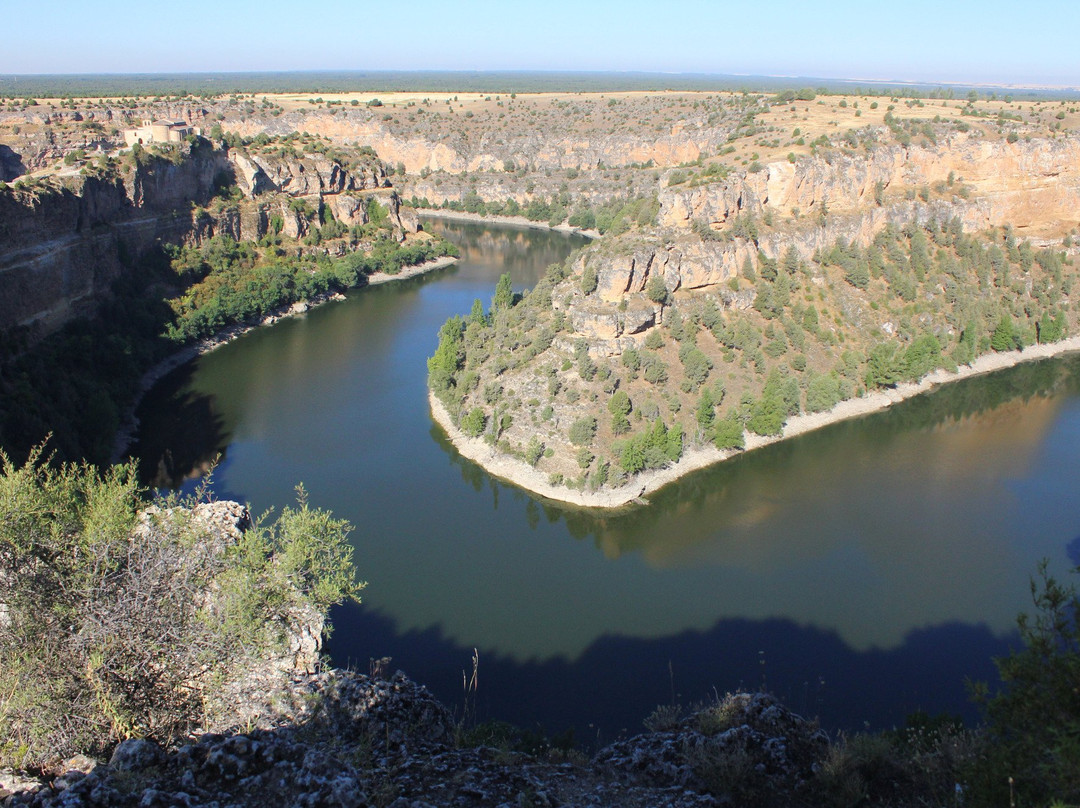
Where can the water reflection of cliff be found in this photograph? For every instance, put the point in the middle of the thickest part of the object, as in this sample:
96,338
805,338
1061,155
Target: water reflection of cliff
524,256
933,512
966,439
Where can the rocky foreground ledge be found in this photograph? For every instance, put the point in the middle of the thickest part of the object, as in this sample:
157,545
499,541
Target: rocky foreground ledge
352,740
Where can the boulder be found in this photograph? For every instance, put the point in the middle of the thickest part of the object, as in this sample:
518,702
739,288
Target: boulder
135,754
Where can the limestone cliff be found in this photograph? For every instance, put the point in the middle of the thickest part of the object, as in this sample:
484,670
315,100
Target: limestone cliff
63,242
682,142
832,275
1034,185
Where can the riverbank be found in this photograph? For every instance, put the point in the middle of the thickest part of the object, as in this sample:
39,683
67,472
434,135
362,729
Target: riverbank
525,476
517,221
377,278
129,423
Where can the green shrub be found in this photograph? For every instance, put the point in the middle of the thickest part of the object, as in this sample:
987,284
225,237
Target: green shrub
582,431
822,393
767,417
474,422
654,369
655,289
728,434
114,628
588,280
534,450
1033,721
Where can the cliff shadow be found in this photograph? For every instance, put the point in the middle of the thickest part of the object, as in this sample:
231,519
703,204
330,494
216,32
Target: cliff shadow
11,164
618,681
180,437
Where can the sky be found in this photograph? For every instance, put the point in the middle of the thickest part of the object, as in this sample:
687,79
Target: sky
959,41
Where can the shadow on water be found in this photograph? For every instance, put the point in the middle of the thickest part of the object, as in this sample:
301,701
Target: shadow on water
181,436
618,681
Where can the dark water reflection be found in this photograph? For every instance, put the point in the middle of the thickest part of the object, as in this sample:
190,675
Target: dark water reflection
862,570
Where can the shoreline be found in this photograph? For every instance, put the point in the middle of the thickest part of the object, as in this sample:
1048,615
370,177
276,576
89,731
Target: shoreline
517,221
521,474
129,423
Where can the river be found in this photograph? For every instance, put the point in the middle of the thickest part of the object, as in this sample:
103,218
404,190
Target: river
860,572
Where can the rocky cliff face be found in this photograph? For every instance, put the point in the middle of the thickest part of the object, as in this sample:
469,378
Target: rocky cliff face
63,244
314,175
589,186
41,136
1032,185
471,151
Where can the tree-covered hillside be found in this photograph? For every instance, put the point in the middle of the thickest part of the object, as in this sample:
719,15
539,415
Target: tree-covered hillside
786,336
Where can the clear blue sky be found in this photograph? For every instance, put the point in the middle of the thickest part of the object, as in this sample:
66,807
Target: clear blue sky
993,41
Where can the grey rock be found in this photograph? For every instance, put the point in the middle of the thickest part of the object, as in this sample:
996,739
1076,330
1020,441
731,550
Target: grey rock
135,754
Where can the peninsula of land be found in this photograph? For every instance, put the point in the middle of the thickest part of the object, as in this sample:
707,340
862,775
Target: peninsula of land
633,492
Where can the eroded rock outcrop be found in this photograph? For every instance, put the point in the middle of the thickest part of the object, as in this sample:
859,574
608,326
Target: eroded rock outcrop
357,740
683,142
63,243
1034,185
311,175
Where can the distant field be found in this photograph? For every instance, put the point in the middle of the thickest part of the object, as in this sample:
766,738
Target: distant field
111,85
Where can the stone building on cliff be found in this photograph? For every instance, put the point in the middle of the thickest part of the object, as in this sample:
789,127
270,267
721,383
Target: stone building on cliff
160,131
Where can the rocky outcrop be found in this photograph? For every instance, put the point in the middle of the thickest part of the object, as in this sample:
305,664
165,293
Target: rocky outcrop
1028,184
315,175
683,142
776,750
251,698
1032,186
357,740
63,243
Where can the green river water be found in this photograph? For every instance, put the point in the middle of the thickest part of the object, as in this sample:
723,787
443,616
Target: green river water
861,572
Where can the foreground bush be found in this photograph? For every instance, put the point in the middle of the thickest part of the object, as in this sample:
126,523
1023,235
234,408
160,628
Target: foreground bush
117,622
1032,754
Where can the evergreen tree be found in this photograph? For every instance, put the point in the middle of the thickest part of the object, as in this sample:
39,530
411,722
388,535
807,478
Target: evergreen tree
476,315
1004,337
706,411
884,368
504,294
619,407
728,433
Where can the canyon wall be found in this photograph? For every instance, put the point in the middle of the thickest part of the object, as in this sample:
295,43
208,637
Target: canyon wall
684,142
64,242
1032,185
